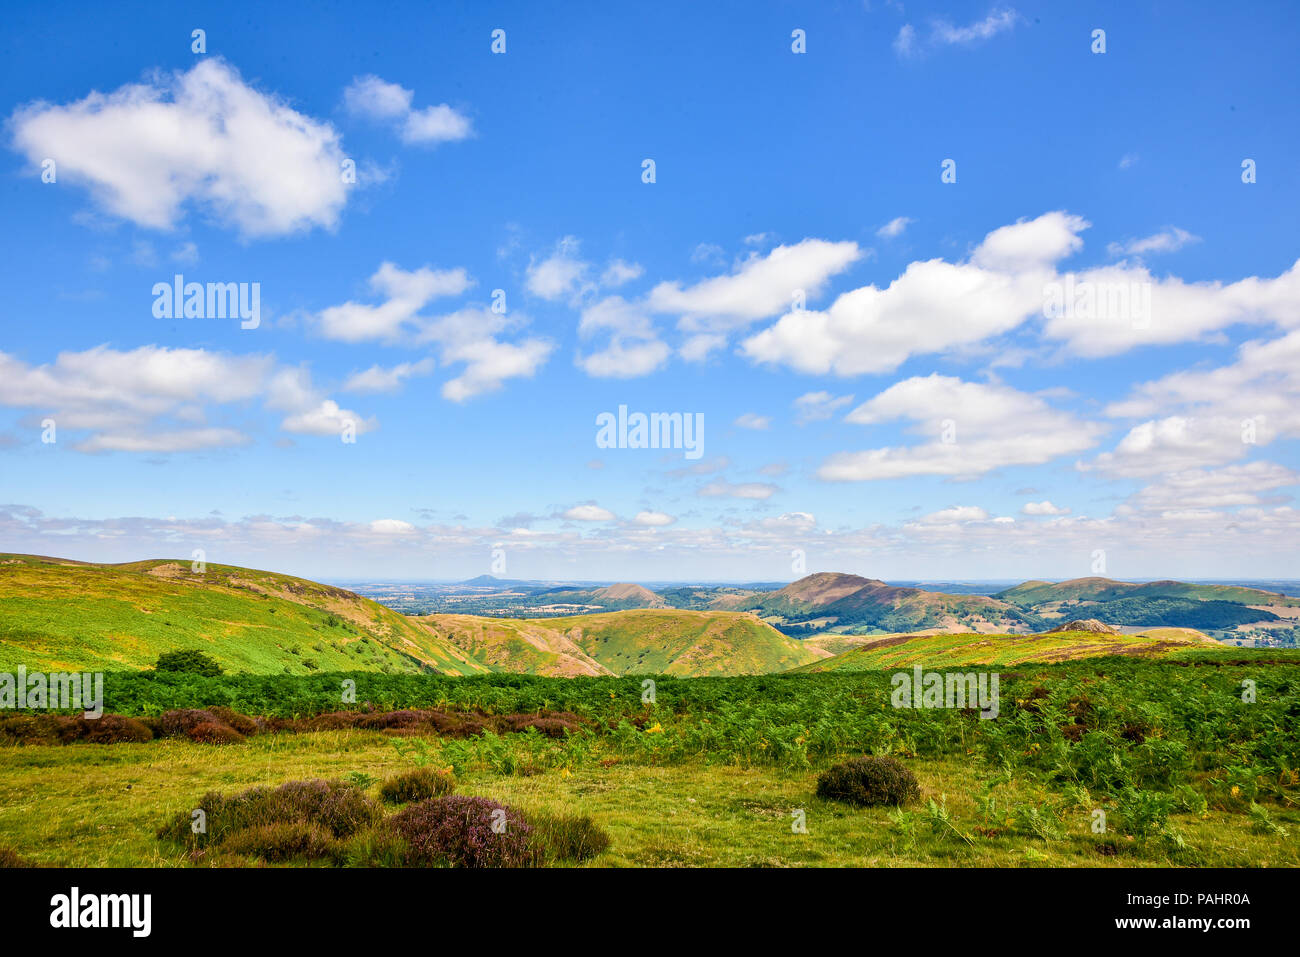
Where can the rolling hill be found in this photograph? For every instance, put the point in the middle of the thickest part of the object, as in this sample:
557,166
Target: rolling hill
58,615
947,651
648,641
849,603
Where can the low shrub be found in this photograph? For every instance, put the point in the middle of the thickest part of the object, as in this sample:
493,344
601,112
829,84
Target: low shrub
240,722
106,729
283,841
10,858
338,808
457,831
191,662
417,785
572,839
214,732
869,782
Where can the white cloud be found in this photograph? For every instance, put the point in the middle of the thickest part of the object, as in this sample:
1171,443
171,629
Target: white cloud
327,418
560,274
894,227
956,515
817,406
654,519
134,401
185,440
1166,241
588,513
202,137
468,335
370,96
619,272
763,286
405,294
751,420
1233,486
751,490
1044,508
934,306
633,349
943,33
488,363
391,526
379,379
990,427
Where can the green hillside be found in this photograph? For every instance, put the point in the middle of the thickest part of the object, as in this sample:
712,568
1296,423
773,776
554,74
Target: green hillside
58,615
648,641
1035,593
944,651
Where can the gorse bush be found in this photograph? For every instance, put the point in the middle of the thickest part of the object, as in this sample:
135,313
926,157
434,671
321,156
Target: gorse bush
189,662
417,785
869,781
460,831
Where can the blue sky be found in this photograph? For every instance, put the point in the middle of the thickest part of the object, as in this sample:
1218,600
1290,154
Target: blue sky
923,416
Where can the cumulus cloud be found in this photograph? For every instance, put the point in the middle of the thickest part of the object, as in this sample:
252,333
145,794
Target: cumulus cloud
652,519
955,515
558,275
404,295
970,428
200,138
937,307
762,286
1043,508
1232,486
588,513
375,98
619,272
156,399
633,347
381,379
1206,417
391,526
468,335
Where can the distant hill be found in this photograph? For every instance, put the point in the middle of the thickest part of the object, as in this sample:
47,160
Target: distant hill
850,602
59,615
946,651
649,641
1151,604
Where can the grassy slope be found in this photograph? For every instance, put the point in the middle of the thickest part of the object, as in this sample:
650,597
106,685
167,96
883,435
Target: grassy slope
57,615
55,808
966,649
667,641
